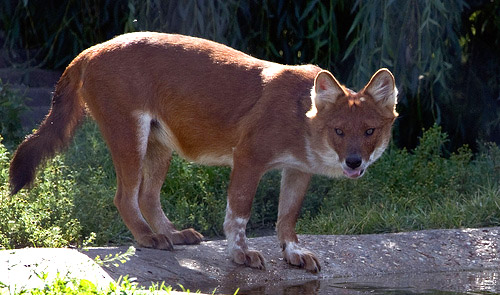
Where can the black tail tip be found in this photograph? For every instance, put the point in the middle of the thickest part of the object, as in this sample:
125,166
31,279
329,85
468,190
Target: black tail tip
18,182
15,188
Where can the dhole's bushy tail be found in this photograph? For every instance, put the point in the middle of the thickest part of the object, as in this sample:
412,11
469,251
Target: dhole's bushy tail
52,136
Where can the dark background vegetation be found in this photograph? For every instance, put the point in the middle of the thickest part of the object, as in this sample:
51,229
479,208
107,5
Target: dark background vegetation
445,54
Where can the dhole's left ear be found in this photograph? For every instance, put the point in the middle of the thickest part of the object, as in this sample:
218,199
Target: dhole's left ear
326,90
382,88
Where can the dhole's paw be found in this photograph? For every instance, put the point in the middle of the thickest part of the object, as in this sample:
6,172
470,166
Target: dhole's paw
250,258
156,241
300,257
187,237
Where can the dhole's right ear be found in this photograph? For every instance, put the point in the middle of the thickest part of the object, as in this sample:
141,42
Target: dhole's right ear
382,88
326,90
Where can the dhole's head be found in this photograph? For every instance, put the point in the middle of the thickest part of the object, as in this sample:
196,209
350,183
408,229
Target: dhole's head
355,126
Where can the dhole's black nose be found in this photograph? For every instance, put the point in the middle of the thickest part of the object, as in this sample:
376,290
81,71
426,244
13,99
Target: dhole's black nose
353,161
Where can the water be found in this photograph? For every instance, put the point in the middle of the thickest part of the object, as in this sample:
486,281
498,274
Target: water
478,282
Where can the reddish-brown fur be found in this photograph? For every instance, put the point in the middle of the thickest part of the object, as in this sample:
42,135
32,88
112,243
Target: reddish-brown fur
152,94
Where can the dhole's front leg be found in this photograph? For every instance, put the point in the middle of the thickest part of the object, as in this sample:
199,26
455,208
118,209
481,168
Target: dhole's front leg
243,185
294,184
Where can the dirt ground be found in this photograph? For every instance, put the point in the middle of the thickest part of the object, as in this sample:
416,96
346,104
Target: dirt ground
207,266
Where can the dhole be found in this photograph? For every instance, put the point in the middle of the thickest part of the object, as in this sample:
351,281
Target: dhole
152,94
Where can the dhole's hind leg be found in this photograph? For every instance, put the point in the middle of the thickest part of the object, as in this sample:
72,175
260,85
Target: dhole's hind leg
154,169
128,148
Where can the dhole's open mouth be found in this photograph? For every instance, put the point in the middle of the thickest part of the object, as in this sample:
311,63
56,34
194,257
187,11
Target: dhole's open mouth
353,173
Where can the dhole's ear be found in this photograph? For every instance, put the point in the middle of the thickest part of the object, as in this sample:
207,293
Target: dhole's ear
382,88
326,90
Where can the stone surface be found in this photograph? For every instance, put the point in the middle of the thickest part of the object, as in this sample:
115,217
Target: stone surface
207,266
355,261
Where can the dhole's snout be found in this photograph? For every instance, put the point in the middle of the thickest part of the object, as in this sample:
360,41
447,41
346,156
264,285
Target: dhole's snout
353,166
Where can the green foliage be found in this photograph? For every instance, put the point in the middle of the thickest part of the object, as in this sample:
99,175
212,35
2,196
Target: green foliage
42,217
417,40
72,199
67,285
54,32
12,105
446,65
216,20
445,57
411,191
196,196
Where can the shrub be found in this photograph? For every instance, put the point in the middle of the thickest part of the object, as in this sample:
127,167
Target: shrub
40,217
72,199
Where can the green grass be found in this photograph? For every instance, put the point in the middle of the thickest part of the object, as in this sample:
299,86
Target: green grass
66,285
71,202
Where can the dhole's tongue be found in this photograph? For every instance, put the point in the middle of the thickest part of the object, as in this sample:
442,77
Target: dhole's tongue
352,173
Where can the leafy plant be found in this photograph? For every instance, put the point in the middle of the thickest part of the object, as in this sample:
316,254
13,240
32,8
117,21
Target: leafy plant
116,259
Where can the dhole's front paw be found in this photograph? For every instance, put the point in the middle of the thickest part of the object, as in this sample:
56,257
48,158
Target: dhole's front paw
187,237
156,241
250,258
300,257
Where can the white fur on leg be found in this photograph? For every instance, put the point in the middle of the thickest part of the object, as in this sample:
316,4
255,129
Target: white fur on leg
234,228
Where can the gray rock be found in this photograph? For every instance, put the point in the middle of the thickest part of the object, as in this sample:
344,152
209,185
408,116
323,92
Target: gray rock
438,259
207,266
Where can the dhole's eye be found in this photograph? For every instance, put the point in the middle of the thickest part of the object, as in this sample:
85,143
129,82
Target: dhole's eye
339,132
369,131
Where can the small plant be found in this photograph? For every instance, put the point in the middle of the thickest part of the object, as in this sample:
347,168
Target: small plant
116,259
